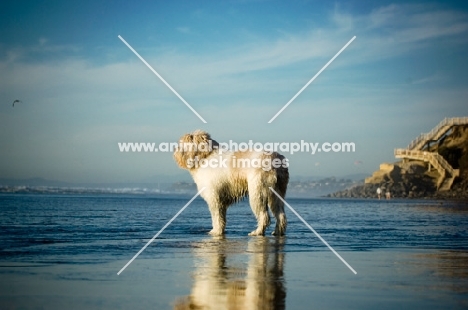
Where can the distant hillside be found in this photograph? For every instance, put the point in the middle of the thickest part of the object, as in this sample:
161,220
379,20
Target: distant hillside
320,187
33,182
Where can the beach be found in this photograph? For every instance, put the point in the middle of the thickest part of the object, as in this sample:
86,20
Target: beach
62,251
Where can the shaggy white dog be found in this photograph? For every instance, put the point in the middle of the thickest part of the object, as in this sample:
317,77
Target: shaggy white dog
229,176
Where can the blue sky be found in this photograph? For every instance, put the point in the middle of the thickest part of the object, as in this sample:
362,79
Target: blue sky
237,63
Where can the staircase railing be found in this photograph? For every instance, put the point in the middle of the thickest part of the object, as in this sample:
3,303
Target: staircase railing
435,159
445,170
445,124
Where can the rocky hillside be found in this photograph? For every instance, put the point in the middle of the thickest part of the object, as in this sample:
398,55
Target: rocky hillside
454,148
416,179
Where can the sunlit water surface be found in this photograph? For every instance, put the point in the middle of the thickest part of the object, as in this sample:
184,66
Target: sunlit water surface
64,252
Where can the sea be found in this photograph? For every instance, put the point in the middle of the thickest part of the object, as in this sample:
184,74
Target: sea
66,251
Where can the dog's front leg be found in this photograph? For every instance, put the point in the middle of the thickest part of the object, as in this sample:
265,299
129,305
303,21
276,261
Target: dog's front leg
218,218
263,220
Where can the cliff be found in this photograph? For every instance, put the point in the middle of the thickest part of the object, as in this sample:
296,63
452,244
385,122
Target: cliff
416,176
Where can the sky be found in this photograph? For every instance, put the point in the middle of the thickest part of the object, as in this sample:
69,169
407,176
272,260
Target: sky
237,63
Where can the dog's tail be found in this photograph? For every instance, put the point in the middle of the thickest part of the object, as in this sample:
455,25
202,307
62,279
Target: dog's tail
279,179
280,186
280,175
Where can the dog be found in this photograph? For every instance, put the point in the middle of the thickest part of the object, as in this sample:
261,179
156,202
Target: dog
229,176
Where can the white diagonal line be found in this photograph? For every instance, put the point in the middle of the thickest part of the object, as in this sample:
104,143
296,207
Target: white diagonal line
162,79
165,226
311,80
313,230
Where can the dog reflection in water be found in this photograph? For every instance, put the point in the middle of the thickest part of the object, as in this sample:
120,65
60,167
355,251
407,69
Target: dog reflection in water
222,281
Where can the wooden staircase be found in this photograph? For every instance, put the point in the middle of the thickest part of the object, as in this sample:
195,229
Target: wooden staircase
446,172
415,151
437,132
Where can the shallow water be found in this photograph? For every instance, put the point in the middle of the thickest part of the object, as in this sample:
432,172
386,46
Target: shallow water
65,251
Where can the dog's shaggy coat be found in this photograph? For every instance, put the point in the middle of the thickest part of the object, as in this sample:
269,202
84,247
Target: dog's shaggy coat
227,184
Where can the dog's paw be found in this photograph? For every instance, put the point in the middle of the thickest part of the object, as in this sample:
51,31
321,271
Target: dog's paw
257,233
216,233
276,233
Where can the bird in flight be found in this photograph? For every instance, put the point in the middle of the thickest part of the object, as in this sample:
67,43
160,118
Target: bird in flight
16,101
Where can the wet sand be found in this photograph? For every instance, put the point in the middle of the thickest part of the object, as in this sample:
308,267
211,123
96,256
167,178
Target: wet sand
244,273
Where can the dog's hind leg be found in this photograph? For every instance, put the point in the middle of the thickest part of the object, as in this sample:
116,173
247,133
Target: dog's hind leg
277,208
258,203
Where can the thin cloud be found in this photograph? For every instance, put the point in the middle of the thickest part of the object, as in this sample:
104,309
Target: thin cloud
184,30
396,30
383,33
429,79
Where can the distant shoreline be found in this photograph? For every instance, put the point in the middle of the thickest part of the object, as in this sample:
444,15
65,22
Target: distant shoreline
45,190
